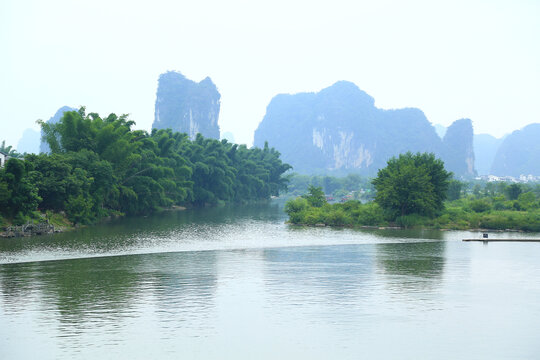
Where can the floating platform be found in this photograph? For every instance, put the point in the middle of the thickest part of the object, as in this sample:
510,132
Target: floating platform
502,240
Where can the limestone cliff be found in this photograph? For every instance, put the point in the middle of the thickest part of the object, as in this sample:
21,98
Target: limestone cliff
186,106
458,151
340,129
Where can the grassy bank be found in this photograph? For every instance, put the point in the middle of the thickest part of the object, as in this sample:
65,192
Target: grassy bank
462,214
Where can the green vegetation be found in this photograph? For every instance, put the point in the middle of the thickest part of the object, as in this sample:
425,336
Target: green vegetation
100,167
351,186
9,150
470,205
412,184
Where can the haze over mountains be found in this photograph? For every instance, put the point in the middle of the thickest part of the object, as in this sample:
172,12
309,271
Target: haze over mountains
338,129
519,153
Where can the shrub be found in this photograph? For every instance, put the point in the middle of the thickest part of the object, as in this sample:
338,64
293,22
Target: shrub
295,206
79,210
19,219
313,216
338,217
480,205
370,214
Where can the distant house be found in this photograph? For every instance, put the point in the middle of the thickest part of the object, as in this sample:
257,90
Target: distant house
3,158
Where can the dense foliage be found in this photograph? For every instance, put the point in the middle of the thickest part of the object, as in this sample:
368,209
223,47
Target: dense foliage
311,209
412,184
470,205
100,166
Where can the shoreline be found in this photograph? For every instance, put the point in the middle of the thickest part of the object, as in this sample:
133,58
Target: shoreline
393,227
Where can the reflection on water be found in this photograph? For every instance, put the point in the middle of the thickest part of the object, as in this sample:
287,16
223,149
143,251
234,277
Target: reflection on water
417,259
236,283
106,289
335,274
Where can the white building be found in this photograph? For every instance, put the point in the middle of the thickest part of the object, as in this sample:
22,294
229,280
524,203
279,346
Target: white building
3,158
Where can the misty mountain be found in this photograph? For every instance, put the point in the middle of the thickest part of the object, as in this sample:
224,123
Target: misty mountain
186,106
340,129
440,130
44,147
519,153
485,149
29,142
458,151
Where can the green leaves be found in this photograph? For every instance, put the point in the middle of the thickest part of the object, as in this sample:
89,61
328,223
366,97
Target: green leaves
412,184
18,192
100,166
315,196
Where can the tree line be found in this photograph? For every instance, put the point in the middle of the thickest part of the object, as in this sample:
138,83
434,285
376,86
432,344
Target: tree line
100,167
416,190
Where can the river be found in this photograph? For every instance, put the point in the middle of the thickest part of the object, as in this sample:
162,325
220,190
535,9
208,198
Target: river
238,283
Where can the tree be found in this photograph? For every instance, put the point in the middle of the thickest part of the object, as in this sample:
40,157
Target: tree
513,191
412,184
315,196
454,189
18,193
100,166
9,150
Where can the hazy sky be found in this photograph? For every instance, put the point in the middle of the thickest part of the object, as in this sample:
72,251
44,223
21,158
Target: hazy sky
452,59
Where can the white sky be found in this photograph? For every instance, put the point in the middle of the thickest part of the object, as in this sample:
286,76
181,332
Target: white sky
452,59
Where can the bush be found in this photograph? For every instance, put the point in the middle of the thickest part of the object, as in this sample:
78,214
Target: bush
314,216
295,206
20,219
495,221
79,210
338,217
370,214
480,205
526,200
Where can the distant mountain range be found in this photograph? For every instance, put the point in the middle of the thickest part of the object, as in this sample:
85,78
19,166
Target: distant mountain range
31,143
485,147
337,130
511,155
340,129
519,153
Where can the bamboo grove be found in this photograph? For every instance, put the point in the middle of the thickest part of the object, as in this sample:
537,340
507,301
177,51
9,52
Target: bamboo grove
101,166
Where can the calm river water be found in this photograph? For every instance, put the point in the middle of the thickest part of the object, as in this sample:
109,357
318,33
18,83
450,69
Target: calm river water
237,283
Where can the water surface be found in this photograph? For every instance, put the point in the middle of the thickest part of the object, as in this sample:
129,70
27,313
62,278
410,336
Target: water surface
238,283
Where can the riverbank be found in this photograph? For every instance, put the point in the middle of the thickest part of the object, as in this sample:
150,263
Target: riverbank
455,216
53,223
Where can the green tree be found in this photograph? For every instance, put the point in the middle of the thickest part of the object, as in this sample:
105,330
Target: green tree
315,196
10,151
513,191
18,192
412,184
454,189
